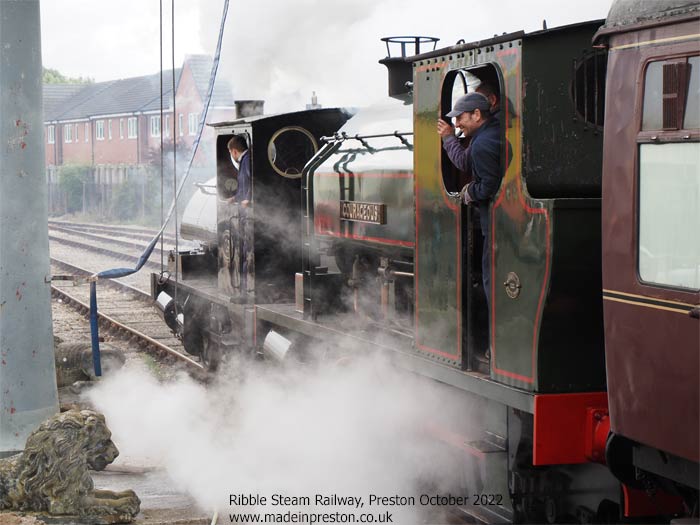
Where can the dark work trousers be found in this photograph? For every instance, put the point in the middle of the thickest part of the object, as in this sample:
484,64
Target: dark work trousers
486,269
486,253
245,246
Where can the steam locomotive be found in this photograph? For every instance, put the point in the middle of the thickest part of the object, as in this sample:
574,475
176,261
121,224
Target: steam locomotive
584,364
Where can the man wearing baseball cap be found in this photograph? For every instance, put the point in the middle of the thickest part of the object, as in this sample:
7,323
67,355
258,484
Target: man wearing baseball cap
481,161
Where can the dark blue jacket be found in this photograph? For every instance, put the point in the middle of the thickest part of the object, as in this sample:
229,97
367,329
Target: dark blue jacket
482,162
245,185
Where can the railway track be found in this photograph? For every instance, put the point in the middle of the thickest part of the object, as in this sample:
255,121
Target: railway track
125,307
128,251
119,241
133,232
116,248
124,311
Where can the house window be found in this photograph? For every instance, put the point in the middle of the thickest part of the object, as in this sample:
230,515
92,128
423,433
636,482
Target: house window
51,134
87,131
131,125
121,128
192,123
155,126
181,123
76,132
68,133
109,129
100,129
166,128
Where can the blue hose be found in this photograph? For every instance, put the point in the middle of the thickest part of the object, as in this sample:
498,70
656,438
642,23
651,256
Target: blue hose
94,330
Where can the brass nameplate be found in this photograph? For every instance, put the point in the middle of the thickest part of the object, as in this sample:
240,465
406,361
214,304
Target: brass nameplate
363,212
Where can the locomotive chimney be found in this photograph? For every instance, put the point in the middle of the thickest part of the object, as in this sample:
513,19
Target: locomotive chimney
249,108
398,62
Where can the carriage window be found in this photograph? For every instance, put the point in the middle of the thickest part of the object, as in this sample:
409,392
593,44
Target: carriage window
667,86
290,149
692,110
669,214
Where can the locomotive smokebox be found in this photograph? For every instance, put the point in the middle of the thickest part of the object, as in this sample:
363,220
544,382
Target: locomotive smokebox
399,48
249,108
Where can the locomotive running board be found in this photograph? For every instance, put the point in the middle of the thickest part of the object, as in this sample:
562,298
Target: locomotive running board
285,315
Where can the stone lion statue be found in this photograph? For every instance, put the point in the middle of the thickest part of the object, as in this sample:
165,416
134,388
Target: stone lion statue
51,475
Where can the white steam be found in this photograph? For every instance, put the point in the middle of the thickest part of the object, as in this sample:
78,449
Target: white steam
281,51
351,430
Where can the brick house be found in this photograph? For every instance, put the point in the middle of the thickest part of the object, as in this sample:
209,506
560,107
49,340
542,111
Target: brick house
115,127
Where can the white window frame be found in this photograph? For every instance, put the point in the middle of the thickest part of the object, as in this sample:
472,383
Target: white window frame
99,130
109,129
87,131
192,122
76,132
132,127
180,124
155,126
121,128
68,133
166,128
51,134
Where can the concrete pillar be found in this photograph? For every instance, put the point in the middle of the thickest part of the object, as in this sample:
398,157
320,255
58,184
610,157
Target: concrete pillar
27,375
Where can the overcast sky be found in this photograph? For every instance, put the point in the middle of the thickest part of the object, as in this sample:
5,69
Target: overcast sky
281,50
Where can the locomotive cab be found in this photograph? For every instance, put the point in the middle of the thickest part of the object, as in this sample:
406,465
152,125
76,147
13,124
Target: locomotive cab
258,246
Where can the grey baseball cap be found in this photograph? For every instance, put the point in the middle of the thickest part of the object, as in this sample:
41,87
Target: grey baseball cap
470,102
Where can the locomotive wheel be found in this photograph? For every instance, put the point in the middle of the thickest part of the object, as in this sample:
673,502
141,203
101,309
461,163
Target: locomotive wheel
211,354
192,339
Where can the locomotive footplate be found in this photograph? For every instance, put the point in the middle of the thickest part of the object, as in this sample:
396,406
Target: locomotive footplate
397,347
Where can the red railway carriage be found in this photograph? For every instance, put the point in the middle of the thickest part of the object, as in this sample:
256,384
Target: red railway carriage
651,238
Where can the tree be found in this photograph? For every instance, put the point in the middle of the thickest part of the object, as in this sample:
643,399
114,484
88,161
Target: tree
53,76
71,180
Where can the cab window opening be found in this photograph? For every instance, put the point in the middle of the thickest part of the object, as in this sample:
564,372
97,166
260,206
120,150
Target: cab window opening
226,171
457,83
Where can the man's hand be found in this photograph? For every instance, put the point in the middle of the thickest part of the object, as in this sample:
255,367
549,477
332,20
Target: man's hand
245,203
464,194
445,129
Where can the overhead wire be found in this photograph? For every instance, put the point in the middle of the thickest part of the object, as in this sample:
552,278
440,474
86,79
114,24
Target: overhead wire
116,273
175,192
162,130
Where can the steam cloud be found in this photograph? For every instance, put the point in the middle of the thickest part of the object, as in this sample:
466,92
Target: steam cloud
352,430
282,51
279,50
